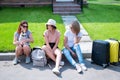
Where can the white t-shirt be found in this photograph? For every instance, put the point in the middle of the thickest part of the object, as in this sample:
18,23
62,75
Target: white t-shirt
70,35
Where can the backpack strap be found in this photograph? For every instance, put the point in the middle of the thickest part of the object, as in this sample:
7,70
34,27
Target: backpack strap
37,47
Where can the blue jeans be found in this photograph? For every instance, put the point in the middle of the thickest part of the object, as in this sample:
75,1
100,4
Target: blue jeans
77,50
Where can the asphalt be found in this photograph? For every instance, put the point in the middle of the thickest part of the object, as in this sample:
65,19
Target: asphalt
23,71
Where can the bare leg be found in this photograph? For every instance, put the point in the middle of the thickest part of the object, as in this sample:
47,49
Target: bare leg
49,53
58,60
18,51
58,57
26,50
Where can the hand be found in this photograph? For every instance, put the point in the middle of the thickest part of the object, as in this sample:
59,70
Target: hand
48,47
18,43
53,50
24,41
73,53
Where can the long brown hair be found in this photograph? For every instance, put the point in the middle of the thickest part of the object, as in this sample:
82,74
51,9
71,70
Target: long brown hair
21,24
75,26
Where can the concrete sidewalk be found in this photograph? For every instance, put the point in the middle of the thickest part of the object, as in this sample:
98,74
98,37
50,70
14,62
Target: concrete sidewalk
24,71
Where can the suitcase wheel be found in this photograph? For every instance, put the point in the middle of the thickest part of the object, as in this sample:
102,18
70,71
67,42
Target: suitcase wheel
104,65
92,62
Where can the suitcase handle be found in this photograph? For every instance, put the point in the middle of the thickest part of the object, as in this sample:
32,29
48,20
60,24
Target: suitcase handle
113,39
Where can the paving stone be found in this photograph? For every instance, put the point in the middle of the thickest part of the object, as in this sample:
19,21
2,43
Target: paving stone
85,39
86,48
84,32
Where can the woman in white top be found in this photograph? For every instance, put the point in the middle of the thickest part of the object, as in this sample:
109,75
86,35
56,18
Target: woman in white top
71,43
52,36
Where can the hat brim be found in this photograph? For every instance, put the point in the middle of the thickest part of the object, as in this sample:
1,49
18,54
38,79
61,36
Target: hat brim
54,26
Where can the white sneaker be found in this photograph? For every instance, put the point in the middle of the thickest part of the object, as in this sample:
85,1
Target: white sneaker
62,63
15,61
56,71
78,68
83,67
27,60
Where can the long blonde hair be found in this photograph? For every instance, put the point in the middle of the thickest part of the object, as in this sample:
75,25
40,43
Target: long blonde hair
75,26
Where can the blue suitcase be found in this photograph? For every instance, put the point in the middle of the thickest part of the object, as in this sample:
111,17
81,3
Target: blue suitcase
101,53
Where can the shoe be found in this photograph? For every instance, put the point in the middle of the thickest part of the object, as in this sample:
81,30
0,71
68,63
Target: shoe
16,61
79,70
27,60
56,71
62,63
83,67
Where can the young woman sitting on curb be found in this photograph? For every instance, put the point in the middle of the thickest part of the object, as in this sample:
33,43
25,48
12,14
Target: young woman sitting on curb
52,36
71,46
22,39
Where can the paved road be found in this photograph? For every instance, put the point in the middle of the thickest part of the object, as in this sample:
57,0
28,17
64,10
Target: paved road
24,71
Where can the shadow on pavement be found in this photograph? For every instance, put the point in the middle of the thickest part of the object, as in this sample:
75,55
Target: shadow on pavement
97,67
67,66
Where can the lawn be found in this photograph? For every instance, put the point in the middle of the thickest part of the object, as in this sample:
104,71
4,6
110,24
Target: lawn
36,17
102,19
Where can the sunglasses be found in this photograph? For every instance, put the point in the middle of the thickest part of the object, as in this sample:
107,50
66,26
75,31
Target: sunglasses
24,26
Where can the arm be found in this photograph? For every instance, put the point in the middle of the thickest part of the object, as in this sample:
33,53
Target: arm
30,39
77,39
15,41
66,46
56,43
47,42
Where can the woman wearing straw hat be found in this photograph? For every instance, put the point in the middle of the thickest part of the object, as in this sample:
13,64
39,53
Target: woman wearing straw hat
52,36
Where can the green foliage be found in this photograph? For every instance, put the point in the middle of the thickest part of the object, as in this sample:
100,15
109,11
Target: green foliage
36,17
101,20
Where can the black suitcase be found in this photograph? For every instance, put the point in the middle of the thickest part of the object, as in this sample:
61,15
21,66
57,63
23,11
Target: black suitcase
101,53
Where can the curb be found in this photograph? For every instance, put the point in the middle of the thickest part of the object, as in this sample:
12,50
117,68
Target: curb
10,56
7,56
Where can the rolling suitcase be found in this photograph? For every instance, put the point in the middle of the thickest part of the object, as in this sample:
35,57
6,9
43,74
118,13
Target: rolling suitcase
100,53
114,51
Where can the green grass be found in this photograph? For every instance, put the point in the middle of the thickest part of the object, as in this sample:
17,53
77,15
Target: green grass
101,20
36,17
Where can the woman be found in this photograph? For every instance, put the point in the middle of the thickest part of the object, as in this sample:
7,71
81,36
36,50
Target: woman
71,44
22,39
52,36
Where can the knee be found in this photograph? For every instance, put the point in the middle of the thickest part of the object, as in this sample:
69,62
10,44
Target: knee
44,48
76,46
26,47
18,48
58,52
66,52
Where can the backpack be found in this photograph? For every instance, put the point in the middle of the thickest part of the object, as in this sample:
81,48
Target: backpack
38,57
